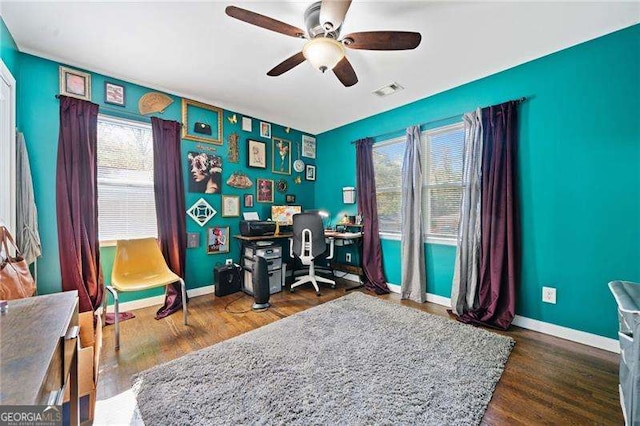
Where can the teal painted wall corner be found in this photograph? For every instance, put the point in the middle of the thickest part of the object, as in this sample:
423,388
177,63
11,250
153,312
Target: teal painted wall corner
8,50
579,176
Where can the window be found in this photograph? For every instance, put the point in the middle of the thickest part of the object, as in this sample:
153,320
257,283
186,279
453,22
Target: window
387,166
126,202
442,175
442,179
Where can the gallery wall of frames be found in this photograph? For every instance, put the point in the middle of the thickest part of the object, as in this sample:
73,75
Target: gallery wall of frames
232,163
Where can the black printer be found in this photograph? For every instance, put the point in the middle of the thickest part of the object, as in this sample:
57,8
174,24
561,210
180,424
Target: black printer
257,228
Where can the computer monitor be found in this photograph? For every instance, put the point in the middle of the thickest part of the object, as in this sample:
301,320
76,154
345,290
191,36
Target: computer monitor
284,214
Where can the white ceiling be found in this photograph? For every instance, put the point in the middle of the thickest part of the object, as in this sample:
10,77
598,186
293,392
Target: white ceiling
195,50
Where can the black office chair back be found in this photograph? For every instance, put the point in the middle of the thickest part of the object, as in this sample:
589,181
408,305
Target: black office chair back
313,222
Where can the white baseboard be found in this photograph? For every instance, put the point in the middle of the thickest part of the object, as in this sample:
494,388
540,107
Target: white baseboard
156,300
589,339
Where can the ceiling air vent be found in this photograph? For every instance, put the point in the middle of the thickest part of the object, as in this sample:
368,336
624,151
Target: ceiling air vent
388,90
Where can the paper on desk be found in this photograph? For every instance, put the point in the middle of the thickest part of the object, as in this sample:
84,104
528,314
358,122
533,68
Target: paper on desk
251,216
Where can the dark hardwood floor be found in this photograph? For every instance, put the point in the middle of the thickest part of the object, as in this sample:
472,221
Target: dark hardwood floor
546,380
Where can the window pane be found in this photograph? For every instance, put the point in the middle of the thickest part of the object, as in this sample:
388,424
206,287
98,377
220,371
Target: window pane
126,202
387,164
445,156
389,211
444,205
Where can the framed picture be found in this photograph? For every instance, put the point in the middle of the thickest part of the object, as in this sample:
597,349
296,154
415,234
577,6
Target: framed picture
193,239
310,172
281,156
290,198
230,206
114,94
308,146
218,240
248,200
201,122
256,154
206,172
265,130
264,191
75,83
246,124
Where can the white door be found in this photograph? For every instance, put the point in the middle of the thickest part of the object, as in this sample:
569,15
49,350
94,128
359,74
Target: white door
7,149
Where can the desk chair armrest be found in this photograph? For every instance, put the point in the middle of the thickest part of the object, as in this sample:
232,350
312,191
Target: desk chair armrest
291,248
331,241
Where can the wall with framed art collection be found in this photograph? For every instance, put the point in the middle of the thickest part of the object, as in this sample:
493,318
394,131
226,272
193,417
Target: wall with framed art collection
234,163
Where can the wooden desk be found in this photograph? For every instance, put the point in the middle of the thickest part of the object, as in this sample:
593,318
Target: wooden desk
282,235
39,351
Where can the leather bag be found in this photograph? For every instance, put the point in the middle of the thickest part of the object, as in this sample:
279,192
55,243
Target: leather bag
16,281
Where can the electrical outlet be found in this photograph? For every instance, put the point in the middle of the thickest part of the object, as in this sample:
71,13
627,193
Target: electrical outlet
348,257
229,262
549,295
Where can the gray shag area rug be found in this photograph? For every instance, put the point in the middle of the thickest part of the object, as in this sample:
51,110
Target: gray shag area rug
353,360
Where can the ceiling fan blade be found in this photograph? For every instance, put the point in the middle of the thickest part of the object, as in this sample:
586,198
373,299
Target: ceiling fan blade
382,40
263,21
286,65
332,13
345,73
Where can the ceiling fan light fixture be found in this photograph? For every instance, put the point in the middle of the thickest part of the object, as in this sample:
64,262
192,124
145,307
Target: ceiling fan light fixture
323,53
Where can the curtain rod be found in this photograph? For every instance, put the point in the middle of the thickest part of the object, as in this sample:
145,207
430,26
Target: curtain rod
120,111
519,100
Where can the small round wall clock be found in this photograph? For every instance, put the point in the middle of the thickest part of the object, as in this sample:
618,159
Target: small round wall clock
298,165
282,186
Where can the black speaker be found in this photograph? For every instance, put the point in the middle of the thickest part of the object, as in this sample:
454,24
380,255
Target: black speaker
226,279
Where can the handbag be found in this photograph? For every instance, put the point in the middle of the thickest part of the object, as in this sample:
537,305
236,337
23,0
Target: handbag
16,281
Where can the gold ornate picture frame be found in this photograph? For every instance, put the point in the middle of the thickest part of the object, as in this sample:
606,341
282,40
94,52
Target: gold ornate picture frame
194,112
281,156
75,83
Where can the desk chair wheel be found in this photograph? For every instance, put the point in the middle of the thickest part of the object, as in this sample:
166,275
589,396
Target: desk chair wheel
333,286
291,290
318,294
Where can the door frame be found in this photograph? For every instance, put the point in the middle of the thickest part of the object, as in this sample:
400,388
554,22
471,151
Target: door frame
6,75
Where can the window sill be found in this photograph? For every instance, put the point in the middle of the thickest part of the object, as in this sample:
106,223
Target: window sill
428,240
442,241
390,236
113,243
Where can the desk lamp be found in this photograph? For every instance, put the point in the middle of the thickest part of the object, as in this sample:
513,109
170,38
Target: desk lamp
324,214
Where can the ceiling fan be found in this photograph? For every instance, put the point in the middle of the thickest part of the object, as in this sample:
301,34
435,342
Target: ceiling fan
324,48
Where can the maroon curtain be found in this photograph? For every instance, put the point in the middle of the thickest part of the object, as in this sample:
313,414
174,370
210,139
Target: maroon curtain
77,201
170,208
368,208
499,268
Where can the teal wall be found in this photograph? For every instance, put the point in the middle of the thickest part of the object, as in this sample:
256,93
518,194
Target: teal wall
40,114
579,176
8,49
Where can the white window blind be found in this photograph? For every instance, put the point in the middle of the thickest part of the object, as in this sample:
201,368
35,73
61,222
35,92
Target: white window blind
442,179
442,175
387,165
126,202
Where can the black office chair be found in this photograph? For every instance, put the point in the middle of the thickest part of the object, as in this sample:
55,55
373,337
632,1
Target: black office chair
309,243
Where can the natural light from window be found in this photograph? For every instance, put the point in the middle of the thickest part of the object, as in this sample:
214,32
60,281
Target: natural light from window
126,201
442,150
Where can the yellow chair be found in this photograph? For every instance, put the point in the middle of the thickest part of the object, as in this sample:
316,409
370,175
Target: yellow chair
139,265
